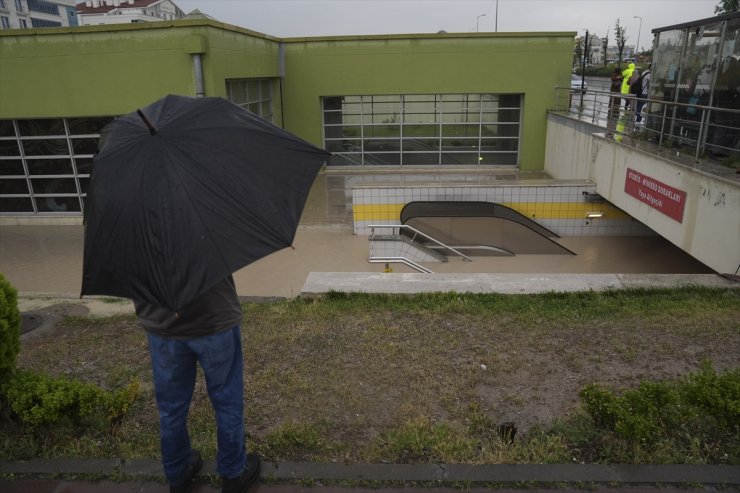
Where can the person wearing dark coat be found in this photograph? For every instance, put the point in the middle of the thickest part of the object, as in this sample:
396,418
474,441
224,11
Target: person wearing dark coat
205,332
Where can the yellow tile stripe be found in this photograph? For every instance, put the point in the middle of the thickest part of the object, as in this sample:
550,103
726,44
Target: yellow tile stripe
533,210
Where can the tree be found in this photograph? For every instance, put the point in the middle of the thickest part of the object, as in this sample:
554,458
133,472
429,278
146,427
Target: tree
620,39
727,7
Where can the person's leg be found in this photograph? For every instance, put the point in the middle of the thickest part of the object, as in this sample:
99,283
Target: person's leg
173,368
220,356
640,104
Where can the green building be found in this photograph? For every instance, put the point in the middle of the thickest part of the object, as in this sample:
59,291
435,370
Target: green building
394,101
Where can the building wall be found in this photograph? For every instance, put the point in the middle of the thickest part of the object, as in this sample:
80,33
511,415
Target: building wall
112,70
709,227
522,63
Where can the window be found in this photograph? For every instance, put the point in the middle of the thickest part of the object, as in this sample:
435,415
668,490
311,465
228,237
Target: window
423,129
23,22
19,5
44,23
43,6
45,163
254,95
5,22
2,4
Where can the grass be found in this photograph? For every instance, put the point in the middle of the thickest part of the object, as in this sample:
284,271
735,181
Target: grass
411,379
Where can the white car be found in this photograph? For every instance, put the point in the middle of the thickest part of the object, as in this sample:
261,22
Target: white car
577,83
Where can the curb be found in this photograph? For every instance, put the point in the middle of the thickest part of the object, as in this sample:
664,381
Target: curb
671,474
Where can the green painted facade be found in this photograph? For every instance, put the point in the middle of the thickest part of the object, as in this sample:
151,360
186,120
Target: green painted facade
114,69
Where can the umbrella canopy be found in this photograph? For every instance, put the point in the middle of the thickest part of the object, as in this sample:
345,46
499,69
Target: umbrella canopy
186,191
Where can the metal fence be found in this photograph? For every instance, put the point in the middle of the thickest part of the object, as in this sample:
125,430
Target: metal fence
705,137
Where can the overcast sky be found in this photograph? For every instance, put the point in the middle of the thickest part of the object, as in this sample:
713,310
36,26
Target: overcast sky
289,18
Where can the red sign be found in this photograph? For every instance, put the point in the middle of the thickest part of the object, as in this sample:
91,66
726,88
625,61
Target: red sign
668,200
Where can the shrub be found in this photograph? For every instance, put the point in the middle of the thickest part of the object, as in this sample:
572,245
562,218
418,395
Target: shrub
10,328
38,399
699,412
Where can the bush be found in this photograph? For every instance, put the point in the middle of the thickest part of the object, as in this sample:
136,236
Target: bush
700,412
38,399
10,328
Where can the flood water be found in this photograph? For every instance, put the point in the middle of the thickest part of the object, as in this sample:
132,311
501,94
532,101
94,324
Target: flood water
48,259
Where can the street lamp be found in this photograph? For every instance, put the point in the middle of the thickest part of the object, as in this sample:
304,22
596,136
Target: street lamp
496,28
639,30
476,21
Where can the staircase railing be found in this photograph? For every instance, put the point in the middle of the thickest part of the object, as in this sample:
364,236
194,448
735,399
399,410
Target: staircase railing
396,233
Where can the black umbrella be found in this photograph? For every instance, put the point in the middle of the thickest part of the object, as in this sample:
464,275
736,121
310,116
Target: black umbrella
186,191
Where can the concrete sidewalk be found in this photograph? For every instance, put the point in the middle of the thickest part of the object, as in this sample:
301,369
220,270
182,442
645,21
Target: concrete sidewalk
145,475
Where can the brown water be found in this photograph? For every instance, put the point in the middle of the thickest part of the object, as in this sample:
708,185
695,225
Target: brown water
49,259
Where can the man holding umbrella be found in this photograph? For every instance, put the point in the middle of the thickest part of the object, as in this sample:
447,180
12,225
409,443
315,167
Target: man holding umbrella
182,194
205,332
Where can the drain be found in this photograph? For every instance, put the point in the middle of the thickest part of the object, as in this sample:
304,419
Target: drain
30,321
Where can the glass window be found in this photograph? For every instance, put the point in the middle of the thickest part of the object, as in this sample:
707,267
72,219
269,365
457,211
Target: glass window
49,166
85,146
53,156
254,95
14,186
428,129
7,129
11,167
16,204
45,147
9,148
34,128
58,204
53,185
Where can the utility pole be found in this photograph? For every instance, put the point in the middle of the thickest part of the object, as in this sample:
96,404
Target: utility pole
583,65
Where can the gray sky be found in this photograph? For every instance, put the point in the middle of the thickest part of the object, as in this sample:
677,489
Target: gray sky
290,18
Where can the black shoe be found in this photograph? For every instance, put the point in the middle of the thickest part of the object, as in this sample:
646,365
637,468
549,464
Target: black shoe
249,476
195,462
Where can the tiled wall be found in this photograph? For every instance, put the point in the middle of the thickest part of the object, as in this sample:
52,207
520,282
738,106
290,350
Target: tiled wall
562,208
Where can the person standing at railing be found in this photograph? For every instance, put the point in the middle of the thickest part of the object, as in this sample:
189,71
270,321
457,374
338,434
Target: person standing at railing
626,81
643,88
614,102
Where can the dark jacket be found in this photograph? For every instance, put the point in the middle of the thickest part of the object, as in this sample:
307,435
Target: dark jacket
214,311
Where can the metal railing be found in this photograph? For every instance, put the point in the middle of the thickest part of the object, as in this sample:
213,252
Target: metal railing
412,239
707,137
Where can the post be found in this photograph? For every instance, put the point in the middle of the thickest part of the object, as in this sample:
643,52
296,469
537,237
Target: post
496,23
639,30
583,69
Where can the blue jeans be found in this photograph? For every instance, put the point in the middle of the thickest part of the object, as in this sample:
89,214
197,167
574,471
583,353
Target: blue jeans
174,367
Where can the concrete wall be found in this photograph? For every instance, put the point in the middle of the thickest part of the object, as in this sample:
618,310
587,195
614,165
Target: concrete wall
112,70
709,229
517,63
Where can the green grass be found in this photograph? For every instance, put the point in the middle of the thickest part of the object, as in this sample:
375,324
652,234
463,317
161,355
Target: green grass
423,378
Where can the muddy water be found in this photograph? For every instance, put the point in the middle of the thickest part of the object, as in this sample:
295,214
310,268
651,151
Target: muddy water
49,259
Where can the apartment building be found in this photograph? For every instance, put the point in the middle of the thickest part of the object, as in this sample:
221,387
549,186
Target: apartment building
94,12
24,14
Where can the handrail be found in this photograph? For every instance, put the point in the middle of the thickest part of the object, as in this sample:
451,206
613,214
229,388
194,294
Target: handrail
401,260
696,128
416,232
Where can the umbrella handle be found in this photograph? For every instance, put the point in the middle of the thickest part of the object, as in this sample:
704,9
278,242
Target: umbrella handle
149,125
